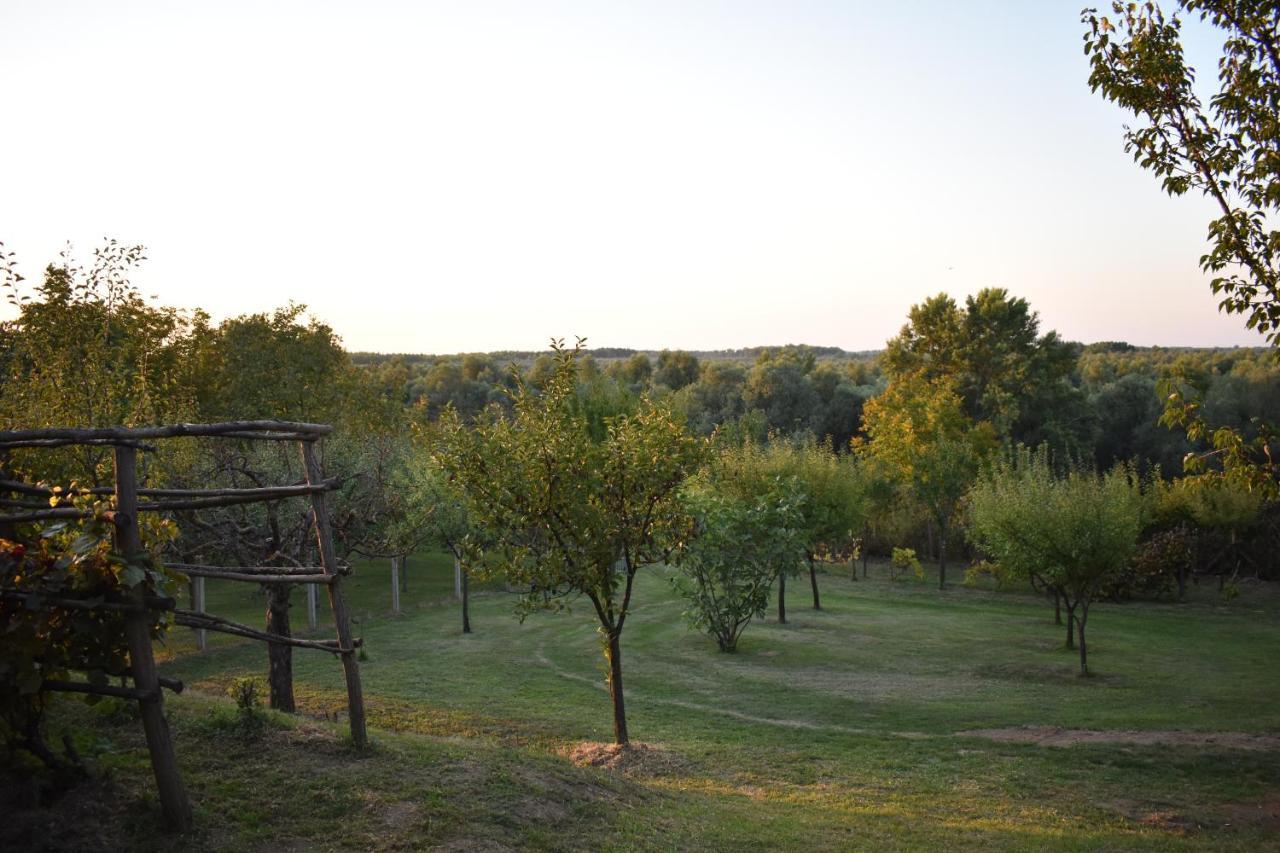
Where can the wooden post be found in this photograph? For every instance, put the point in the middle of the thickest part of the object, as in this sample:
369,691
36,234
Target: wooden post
457,578
142,664
341,618
197,604
395,585
311,606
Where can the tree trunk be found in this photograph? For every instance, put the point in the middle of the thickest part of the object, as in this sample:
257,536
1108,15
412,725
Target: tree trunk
813,581
782,598
1071,625
279,656
466,604
1084,649
395,585
613,651
457,578
942,557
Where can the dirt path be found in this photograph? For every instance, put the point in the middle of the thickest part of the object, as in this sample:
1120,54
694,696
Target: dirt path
1056,736
1039,735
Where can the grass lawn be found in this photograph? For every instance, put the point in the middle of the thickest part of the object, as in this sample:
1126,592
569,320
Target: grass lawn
849,727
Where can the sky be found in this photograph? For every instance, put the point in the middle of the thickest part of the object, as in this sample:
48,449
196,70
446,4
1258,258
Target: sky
475,176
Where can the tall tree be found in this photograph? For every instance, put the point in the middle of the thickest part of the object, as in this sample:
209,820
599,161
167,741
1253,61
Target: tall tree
574,506
991,350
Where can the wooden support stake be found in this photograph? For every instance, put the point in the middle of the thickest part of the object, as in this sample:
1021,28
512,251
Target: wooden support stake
457,578
142,664
341,618
395,585
197,604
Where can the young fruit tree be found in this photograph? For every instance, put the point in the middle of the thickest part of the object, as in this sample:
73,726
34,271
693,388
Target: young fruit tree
574,501
918,433
742,543
440,517
1078,530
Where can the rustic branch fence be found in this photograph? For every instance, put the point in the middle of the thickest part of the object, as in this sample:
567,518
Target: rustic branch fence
126,442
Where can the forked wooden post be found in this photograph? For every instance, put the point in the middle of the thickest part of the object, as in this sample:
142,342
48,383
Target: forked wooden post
341,618
142,664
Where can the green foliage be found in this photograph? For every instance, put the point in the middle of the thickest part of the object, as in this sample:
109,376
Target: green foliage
87,350
904,560
676,369
743,541
571,503
919,439
1228,154
43,641
1077,532
992,355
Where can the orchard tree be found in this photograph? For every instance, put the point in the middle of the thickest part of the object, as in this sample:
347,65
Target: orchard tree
439,517
741,544
749,473
918,433
1079,529
1229,153
574,506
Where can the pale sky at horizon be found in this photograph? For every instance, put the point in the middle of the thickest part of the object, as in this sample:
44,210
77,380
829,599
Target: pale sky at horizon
449,177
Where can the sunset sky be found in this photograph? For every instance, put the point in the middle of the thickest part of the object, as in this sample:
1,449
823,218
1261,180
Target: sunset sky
442,177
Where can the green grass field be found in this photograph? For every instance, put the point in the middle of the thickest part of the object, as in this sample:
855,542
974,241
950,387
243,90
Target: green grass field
850,727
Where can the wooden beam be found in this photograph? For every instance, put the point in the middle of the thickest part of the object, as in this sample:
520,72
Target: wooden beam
192,619
118,434
259,577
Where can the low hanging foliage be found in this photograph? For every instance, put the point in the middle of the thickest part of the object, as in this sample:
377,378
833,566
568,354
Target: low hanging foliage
44,640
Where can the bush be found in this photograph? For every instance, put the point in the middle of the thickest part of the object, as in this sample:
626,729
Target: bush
905,559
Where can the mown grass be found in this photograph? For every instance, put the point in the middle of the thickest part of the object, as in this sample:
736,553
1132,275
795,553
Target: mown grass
845,728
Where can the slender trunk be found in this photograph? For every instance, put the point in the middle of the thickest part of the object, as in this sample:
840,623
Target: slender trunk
942,557
813,581
1084,649
1071,625
395,585
457,578
782,598
466,608
613,651
279,656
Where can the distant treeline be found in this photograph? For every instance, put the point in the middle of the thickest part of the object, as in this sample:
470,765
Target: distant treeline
1103,404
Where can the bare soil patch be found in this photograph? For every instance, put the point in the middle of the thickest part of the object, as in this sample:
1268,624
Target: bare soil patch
1057,736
